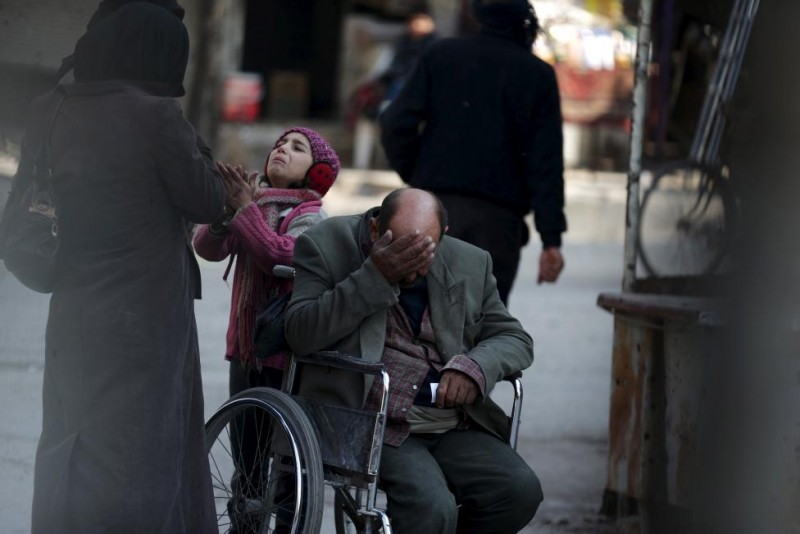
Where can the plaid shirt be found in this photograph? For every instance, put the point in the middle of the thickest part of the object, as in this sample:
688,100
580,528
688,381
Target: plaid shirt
407,359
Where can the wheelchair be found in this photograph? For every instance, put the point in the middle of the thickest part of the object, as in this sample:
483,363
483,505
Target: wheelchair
274,482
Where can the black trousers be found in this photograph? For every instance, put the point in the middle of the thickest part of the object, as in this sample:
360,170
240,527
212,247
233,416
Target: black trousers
251,435
240,379
498,230
430,475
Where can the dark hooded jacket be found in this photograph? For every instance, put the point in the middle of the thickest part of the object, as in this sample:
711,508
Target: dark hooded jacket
122,446
480,116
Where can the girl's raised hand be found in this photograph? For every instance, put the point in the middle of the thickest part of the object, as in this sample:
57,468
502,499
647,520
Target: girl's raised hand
250,178
239,190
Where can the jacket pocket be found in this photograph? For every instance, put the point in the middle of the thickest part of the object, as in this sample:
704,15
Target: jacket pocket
472,332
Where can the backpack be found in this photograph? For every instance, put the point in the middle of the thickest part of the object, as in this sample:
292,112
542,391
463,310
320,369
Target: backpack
268,338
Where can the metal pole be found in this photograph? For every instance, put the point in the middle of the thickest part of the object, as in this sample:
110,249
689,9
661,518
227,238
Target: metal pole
637,142
745,21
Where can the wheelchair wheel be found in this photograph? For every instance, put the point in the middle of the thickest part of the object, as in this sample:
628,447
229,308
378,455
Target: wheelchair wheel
686,221
266,467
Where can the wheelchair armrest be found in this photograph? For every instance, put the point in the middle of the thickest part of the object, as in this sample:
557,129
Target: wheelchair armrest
516,409
283,271
341,361
513,376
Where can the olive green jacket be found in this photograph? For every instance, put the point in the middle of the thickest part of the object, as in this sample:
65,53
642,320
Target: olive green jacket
340,302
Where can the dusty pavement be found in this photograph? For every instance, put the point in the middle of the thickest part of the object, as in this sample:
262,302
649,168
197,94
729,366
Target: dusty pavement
565,415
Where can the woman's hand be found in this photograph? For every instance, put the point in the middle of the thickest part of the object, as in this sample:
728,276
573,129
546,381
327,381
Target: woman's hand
240,187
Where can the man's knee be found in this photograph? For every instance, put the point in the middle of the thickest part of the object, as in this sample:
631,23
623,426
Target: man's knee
440,512
526,481
524,494
515,485
424,513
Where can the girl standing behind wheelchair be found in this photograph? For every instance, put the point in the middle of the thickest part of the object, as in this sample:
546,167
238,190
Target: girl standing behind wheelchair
268,213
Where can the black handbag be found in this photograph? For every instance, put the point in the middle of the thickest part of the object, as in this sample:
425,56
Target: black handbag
29,227
269,337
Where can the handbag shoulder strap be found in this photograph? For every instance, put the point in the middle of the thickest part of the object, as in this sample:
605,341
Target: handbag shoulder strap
35,157
42,162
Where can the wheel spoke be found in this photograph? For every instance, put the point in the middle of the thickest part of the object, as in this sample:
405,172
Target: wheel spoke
682,227
254,443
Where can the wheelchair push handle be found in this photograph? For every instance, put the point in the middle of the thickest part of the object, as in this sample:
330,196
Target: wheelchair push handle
513,376
283,271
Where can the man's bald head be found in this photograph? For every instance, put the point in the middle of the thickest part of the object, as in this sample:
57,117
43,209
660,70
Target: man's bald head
406,211
405,235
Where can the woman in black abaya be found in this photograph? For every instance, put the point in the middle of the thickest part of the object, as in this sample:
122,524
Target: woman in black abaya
122,445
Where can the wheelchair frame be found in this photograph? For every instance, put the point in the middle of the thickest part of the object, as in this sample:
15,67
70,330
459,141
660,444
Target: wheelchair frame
342,446
319,451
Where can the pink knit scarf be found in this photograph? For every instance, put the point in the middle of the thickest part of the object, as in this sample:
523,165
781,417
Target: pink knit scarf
257,287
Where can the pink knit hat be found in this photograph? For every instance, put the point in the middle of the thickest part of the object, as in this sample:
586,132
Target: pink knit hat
320,178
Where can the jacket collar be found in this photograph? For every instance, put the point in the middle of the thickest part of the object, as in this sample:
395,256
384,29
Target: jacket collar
439,271
447,301
507,34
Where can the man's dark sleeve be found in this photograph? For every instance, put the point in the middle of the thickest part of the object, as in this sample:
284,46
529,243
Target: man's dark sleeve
543,160
402,120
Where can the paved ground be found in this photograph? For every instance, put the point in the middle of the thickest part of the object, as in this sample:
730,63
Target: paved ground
565,419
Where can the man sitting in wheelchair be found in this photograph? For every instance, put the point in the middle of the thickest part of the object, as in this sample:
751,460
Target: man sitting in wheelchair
390,286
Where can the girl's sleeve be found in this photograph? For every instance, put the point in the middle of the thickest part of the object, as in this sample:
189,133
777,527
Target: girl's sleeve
210,245
263,244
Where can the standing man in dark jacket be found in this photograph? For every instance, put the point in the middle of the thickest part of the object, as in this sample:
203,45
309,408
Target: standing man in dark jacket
479,124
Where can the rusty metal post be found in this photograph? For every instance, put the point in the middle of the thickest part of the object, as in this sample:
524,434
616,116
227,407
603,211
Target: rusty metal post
637,142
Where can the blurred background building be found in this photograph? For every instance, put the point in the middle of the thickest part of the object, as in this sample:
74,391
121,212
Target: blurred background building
259,65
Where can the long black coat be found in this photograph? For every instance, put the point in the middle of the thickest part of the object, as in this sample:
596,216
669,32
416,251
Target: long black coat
122,446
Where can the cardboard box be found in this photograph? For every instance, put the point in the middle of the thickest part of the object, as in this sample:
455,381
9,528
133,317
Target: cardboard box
288,95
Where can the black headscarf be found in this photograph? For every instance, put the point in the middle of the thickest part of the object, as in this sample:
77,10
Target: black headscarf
513,18
137,42
106,8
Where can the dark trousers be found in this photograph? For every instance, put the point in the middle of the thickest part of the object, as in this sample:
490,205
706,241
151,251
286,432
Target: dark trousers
427,476
240,379
250,437
249,431
498,230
